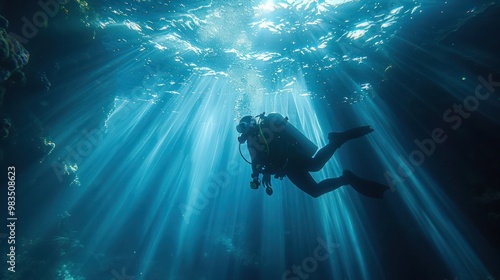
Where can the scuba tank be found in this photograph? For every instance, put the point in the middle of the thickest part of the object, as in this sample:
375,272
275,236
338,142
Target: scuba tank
278,123
275,127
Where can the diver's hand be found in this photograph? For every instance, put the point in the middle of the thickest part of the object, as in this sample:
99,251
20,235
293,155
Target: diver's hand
266,180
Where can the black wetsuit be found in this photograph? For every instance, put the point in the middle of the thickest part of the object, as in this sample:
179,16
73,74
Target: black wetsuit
275,152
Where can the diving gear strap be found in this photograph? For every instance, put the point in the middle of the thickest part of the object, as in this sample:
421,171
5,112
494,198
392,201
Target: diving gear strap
262,133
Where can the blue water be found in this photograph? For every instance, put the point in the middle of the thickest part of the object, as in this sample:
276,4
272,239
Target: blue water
126,155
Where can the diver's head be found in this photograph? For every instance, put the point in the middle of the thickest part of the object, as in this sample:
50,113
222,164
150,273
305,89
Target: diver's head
245,127
246,124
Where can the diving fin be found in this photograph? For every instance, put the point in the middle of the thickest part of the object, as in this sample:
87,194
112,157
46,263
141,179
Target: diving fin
339,138
365,187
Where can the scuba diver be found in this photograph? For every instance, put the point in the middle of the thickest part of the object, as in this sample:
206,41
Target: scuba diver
277,148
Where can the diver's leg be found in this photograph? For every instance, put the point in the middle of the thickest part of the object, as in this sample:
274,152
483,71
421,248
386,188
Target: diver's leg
336,140
304,181
363,186
331,184
339,138
320,158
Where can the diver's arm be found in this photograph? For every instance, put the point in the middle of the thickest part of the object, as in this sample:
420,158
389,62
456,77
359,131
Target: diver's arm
254,155
266,180
255,183
255,170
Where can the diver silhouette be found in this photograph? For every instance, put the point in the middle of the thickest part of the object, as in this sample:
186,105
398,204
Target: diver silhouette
277,148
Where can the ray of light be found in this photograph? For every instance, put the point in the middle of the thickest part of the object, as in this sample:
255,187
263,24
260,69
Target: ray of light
428,205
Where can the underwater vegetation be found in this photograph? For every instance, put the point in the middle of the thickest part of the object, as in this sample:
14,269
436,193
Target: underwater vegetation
58,257
13,56
56,252
5,128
